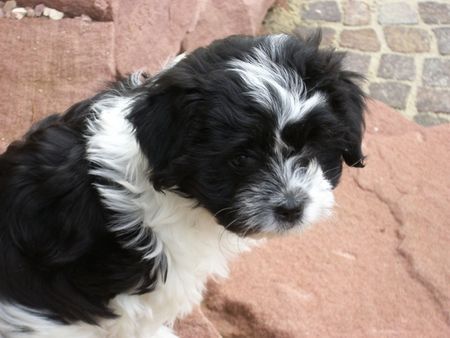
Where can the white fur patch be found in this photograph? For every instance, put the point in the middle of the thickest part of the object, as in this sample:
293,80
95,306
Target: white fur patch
285,177
276,88
15,320
194,244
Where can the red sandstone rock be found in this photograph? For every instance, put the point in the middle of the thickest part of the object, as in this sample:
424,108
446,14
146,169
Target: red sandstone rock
196,325
218,19
152,32
380,267
99,10
149,33
381,120
46,66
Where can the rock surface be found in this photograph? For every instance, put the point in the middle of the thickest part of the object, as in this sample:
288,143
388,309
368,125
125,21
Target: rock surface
196,325
436,72
380,267
362,39
322,10
397,13
49,65
397,67
169,31
407,40
433,99
393,93
443,38
356,13
46,66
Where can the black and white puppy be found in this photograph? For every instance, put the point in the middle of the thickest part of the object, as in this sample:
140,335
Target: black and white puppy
114,214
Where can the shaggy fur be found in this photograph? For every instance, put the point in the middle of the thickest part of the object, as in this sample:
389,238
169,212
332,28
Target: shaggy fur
113,214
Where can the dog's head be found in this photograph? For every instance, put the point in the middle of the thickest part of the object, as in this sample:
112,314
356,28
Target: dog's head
254,129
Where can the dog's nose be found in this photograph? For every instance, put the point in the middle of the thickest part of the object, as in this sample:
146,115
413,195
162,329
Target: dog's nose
290,211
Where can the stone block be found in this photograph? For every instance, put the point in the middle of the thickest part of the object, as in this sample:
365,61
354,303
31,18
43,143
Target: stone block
356,13
149,33
433,100
361,39
397,67
436,72
393,94
407,39
218,19
357,62
433,12
328,34
396,13
443,38
321,10
152,32
46,66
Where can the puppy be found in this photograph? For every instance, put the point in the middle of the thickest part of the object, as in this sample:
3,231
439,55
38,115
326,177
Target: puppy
114,214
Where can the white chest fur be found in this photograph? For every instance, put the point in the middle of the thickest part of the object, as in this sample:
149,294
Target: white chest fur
195,245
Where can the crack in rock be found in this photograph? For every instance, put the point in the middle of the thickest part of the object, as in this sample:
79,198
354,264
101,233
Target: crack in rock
407,258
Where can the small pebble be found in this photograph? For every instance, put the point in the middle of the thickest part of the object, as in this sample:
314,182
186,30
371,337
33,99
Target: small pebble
85,17
55,15
9,6
18,13
9,9
39,10
30,12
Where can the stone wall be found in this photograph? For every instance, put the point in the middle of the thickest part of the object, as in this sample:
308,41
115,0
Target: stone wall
47,65
402,46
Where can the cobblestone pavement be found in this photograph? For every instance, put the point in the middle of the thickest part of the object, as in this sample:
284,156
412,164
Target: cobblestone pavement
402,47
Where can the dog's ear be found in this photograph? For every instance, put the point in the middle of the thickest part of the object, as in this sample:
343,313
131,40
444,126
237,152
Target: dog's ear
347,98
352,105
165,119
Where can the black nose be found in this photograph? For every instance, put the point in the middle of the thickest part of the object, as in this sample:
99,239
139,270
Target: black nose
290,211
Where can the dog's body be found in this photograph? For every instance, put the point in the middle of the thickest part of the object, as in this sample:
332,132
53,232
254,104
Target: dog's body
113,215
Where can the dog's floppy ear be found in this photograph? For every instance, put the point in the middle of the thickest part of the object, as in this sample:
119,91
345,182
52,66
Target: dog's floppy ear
354,157
351,102
353,105
165,119
347,98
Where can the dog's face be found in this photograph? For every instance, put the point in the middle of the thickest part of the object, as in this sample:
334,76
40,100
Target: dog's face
254,129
